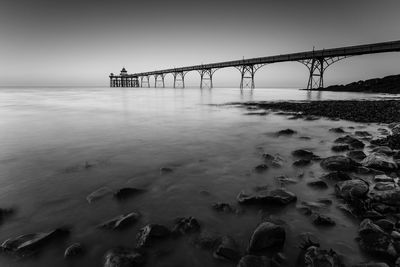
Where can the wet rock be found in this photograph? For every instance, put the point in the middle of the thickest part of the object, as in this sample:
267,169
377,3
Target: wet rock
254,261
121,221
383,150
319,184
322,220
261,168
303,153
336,176
151,232
325,201
277,196
383,186
29,243
385,224
287,132
302,162
166,170
186,225
285,180
339,163
392,141
357,155
337,130
267,156
317,257
74,250
396,129
374,240
223,207
123,257
99,193
352,189
340,148
383,178
379,161
127,192
388,197
362,134
227,249
354,143
267,236
207,240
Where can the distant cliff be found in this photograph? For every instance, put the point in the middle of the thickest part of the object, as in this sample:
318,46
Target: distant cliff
388,84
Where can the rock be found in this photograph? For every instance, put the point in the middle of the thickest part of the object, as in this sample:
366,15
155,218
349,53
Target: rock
357,155
286,132
340,148
267,236
254,261
227,249
303,153
317,257
325,201
286,180
277,196
383,150
339,163
388,197
223,207
363,134
31,242
354,143
383,178
396,130
151,232
123,257
337,130
319,184
322,220
385,225
166,170
74,250
302,162
379,161
374,240
395,235
120,221
207,240
384,186
267,156
99,193
127,192
352,189
336,176
186,225
261,168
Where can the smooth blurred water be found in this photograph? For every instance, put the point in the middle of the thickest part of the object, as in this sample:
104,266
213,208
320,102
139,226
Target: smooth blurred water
48,134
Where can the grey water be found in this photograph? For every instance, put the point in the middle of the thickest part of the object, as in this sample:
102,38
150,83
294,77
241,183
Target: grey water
49,136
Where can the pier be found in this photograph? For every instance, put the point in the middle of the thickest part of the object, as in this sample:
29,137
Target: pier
316,61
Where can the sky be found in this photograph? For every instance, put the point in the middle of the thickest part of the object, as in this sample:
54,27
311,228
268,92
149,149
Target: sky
55,42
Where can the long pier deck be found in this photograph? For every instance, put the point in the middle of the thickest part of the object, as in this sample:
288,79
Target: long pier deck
317,61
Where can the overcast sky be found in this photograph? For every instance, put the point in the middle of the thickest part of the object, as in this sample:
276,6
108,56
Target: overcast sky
57,42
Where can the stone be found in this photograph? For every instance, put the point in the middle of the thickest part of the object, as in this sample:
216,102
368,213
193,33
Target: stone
261,168
74,250
383,178
227,249
363,134
223,207
287,132
151,232
317,257
357,155
352,189
31,242
123,257
277,196
121,221
254,261
379,161
339,163
301,162
388,197
286,180
384,186
337,130
319,184
207,240
127,192
267,236
186,225
267,156
354,143
99,193
336,176
322,220
303,153
385,224
340,148
383,150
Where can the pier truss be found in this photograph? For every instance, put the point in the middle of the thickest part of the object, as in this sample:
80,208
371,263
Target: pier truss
317,61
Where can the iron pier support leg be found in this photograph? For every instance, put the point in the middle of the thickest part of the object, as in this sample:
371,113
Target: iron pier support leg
179,77
247,75
206,74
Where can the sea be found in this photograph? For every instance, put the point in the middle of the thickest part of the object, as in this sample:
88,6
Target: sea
59,144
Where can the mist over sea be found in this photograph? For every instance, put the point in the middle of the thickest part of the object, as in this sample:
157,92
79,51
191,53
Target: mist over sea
57,145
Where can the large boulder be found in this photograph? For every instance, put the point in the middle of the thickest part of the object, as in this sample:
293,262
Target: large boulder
123,257
277,196
379,161
352,189
267,236
339,163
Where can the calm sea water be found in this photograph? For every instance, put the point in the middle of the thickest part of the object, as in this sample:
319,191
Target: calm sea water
48,134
